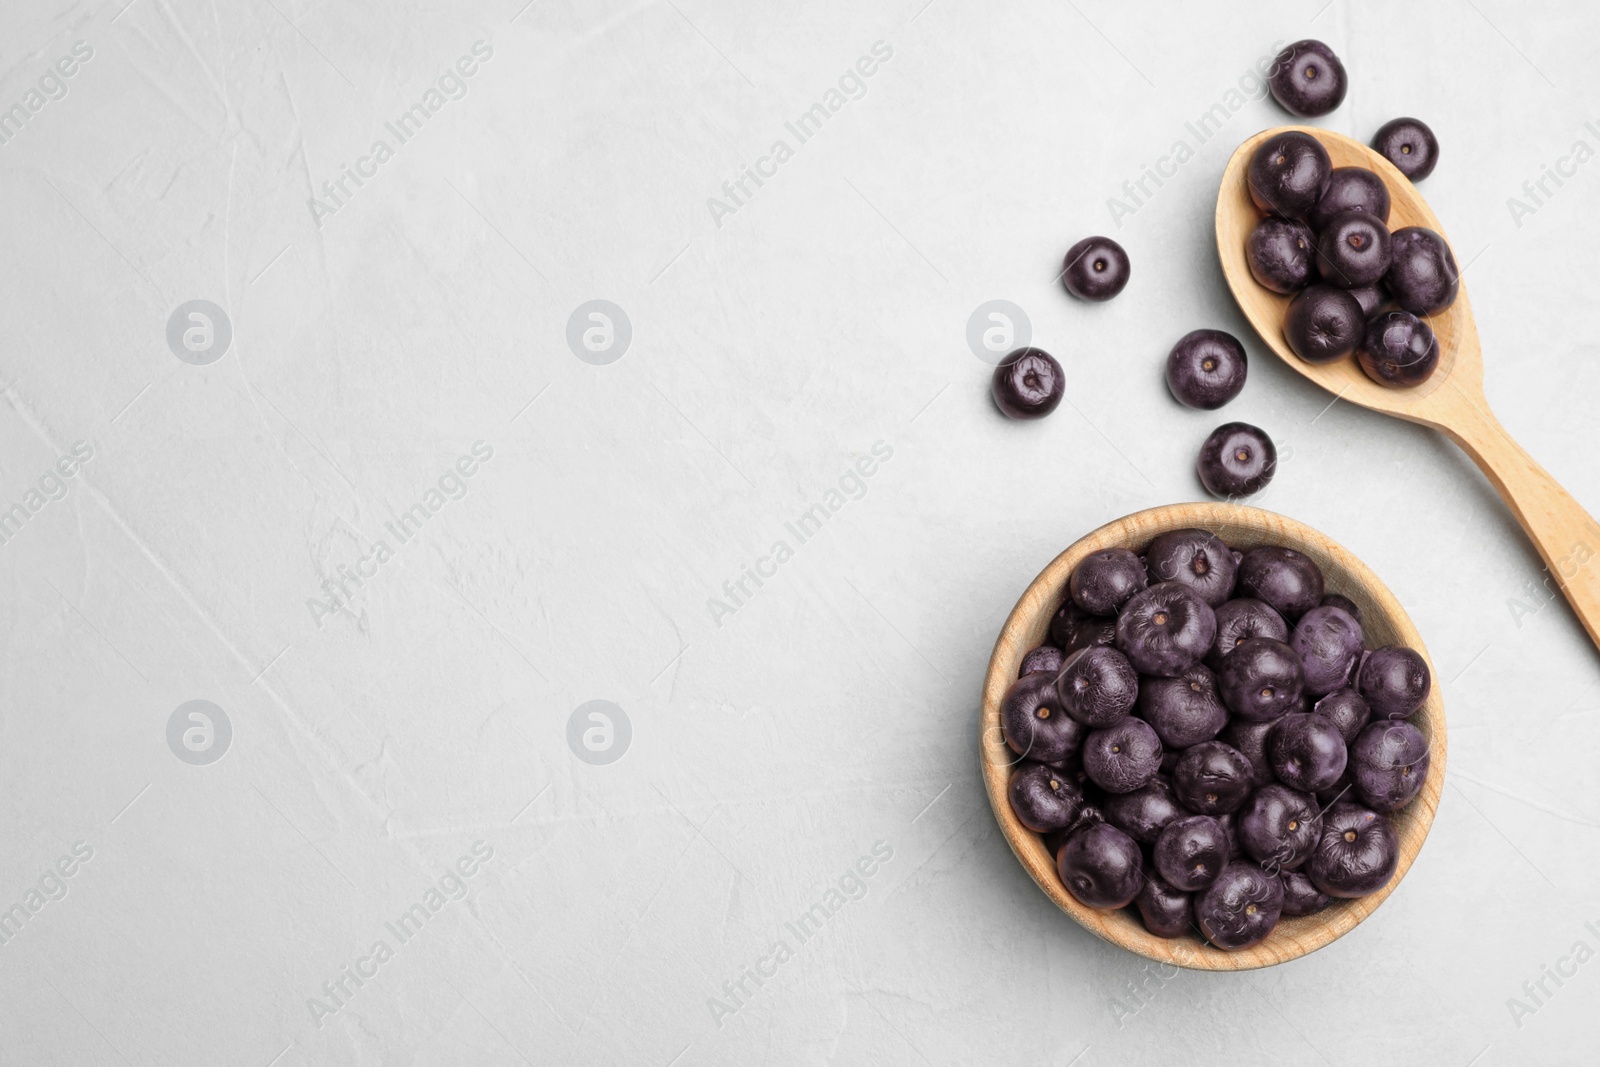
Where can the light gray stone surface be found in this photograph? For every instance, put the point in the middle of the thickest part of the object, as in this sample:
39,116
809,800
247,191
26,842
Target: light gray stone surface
424,711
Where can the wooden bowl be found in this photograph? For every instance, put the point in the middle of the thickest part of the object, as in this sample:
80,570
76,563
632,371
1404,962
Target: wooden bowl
1384,621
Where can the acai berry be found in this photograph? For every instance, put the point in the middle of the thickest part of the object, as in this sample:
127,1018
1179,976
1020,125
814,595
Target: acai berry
1241,907
1122,757
1300,897
1097,686
1262,680
1282,254
1045,799
1104,581
1409,145
1034,723
1330,644
1166,629
1096,268
1280,826
1306,751
1287,581
1351,189
1250,740
1043,658
1422,273
1237,460
1073,628
1196,559
1288,174
1167,912
1388,764
1206,369
1324,323
1307,79
1028,384
1399,350
1100,866
1373,297
1356,854
1145,812
1185,710
1240,619
1191,852
1354,249
1335,600
1347,710
1212,778
1395,680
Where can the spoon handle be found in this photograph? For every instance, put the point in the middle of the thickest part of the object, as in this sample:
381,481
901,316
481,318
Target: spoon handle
1566,535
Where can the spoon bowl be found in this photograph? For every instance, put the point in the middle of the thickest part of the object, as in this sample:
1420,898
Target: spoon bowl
1451,401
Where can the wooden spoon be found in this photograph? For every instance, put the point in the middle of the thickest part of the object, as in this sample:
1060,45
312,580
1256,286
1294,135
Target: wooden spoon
1451,401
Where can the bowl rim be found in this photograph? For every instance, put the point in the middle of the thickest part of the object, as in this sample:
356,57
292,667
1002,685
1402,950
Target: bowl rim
1027,626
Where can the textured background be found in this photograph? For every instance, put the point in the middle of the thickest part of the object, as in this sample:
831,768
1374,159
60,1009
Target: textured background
423,709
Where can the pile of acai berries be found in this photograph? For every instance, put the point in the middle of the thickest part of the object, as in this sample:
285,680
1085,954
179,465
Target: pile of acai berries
1357,287
1208,738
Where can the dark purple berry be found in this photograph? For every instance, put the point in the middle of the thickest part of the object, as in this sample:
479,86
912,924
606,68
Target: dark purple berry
1073,629
1166,629
1240,619
1282,254
1300,897
1034,723
1237,460
1388,764
1206,369
1096,268
1280,826
1044,799
1028,384
1143,813
1399,350
1100,866
1122,757
1196,559
1288,174
1351,189
1240,908
1250,740
1212,778
1356,854
1104,581
1307,79
1262,680
1285,580
1422,274
1044,658
1409,145
1191,852
1354,250
1166,912
1395,681
1324,324
1372,297
1347,710
1097,686
1329,642
1334,600
1183,711
1306,751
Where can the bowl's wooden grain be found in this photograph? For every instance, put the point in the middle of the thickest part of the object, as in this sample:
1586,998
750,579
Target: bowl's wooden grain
1385,622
